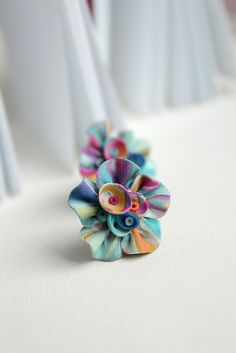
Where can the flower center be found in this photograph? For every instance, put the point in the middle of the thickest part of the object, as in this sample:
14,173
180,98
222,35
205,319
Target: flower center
113,200
129,221
134,205
101,215
113,152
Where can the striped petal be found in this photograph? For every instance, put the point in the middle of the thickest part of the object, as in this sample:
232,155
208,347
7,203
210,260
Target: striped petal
144,184
156,194
97,134
84,200
144,239
90,160
118,171
104,245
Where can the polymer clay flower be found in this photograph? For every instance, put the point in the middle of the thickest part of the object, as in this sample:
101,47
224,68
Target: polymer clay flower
102,146
119,212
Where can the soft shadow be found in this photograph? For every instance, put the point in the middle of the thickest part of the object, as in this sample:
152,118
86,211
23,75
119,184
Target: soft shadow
135,257
75,253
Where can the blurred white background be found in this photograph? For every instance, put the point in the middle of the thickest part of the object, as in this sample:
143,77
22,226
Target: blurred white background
167,71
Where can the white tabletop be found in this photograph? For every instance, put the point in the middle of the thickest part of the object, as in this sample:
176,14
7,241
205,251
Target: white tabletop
180,299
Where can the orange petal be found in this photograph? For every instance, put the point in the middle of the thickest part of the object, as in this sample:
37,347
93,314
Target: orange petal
143,245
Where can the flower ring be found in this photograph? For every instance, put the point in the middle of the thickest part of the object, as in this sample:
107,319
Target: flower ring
102,146
119,212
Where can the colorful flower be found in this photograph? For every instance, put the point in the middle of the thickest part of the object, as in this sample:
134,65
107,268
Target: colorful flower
102,146
119,212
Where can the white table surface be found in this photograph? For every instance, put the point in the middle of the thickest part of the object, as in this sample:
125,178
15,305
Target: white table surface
180,299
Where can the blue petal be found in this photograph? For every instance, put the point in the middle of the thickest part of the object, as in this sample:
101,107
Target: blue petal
128,221
137,158
114,226
84,200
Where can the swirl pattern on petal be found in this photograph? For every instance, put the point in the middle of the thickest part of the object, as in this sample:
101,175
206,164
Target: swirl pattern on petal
117,170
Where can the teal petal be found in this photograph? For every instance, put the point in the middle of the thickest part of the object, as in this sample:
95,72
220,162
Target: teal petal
97,133
149,168
134,144
94,236
104,245
117,170
84,201
110,249
146,241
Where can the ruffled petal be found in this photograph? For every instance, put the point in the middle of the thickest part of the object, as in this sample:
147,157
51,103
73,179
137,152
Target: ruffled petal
90,160
156,194
144,184
114,198
97,134
117,170
84,200
144,239
115,147
104,245
135,145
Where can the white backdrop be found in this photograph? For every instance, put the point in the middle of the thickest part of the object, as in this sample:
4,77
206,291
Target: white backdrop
162,53
58,83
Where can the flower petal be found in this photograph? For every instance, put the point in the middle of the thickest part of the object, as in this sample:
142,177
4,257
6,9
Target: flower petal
90,160
97,134
144,184
156,194
117,170
137,158
144,239
114,198
114,226
149,168
134,144
104,245
84,200
115,147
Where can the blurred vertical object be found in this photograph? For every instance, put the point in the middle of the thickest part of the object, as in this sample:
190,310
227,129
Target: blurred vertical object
38,82
9,173
58,82
91,86
231,6
102,10
163,54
